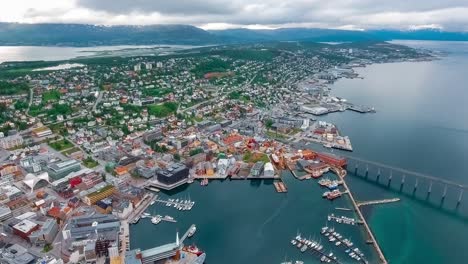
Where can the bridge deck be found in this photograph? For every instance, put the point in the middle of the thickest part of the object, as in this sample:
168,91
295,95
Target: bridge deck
406,172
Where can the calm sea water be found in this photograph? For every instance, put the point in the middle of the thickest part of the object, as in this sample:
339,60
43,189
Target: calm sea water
421,125
38,53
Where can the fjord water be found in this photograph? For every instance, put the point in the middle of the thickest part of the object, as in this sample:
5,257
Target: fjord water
421,124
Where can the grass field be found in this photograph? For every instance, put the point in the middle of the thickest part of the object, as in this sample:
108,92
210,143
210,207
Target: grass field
61,145
53,95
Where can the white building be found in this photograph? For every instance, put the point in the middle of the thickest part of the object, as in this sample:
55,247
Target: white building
137,67
268,170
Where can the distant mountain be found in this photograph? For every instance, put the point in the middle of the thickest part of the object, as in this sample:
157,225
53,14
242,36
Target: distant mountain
333,35
90,35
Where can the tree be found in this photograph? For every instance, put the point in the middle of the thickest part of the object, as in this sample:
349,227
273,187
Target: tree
269,123
177,156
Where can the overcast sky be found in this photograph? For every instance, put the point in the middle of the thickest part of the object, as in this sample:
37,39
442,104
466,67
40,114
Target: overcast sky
449,15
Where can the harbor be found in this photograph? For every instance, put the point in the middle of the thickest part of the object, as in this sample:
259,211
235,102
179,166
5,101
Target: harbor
215,209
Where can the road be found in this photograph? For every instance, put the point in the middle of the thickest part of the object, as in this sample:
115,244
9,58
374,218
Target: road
98,100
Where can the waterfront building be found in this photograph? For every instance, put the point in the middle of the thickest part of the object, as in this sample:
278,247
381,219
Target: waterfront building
257,169
332,159
173,174
268,170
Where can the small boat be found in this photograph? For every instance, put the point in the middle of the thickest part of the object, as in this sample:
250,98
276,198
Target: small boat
156,219
192,231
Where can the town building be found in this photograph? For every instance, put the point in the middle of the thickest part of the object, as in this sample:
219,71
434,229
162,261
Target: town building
10,142
98,195
60,169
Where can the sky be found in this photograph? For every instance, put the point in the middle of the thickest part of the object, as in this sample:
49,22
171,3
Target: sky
449,15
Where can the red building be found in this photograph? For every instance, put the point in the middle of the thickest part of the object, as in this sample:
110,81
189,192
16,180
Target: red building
24,228
332,159
74,181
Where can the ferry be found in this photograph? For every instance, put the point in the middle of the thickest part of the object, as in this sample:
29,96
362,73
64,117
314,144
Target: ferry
192,231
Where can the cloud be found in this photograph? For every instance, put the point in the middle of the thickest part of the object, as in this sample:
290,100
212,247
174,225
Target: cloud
218,14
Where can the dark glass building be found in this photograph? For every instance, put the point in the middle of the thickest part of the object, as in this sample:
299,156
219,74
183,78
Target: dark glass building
173,174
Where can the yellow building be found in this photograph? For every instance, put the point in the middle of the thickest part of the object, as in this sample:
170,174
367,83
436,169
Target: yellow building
103,193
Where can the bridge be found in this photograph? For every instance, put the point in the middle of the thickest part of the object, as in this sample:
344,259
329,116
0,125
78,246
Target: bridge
418,177
384,201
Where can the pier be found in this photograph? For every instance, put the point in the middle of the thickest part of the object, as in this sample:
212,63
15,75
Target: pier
169,202
362,260
280,187
343,220
382,258
384,201
145,203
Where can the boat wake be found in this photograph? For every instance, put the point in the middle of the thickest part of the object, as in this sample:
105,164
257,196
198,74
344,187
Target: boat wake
272,216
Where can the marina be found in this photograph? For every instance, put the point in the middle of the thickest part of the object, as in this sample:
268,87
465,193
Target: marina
181,205
343,220
315,248
338,240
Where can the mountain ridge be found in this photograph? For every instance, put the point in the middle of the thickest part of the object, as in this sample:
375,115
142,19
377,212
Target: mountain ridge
52,34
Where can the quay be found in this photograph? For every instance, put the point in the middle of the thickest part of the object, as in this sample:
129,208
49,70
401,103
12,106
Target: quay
382,258
280,187
145,203
384,201
360,109
152,255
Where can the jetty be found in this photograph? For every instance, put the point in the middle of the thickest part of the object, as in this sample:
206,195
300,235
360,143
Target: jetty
384,201
280,187
371,239
343,220
348,246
